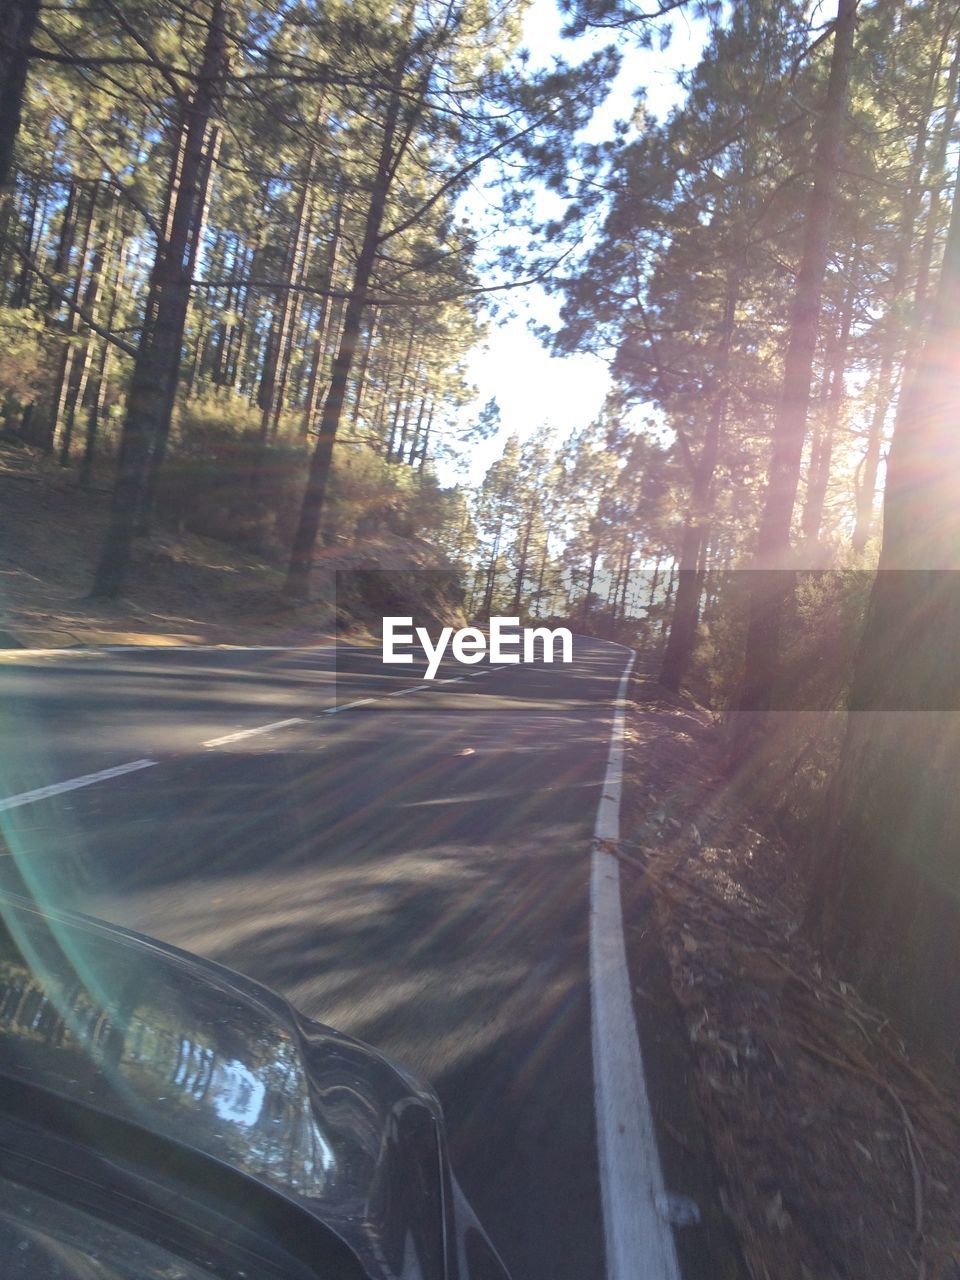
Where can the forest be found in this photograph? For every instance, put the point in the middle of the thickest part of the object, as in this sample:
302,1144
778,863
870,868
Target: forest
248,248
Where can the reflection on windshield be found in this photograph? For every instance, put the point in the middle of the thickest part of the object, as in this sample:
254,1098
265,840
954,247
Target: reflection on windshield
239,1096
185,1059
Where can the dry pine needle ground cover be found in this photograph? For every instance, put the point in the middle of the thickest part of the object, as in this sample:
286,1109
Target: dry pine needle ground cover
838,1153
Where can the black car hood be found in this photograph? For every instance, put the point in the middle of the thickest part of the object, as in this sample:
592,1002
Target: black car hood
194,1053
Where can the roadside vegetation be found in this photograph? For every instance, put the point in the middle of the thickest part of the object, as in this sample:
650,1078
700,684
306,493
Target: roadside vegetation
241,272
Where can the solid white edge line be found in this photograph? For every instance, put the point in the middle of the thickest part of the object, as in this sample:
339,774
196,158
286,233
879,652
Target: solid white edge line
249,733
639,1242
73,784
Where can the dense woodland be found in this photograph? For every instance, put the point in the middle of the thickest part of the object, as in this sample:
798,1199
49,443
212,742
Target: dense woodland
242,269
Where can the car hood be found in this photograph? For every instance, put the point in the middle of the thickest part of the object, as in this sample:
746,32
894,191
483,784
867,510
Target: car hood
214,1062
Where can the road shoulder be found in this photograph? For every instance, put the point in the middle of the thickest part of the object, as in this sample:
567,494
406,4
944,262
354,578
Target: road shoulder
787,1109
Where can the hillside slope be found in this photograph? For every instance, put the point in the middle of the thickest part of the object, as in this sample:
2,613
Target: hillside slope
185,589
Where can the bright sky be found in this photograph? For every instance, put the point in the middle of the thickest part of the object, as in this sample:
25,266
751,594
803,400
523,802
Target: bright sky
531,386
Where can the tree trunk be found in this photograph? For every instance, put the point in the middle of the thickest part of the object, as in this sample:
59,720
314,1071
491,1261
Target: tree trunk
408,412
417,432
364,366
21,291
38,429
936,183
202,342
626,581
99,388
231,340
487,607
425,442
591,574
324,328
91,302
654,583
277,357
671,582
199,355
613,591
297,585
161,437
769,590
289,334
19,23
392,440
892,334
223,337
885,894
387,360
686,605
153,381
541,578
821,453
57,404
522,566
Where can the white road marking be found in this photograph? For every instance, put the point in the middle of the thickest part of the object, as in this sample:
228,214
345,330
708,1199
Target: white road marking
345,706
250,733
210,648
47,653
73,784
80,650
639,1243
88,779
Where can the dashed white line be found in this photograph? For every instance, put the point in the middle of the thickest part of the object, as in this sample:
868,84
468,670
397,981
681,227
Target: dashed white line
73,784
209,648
345,706
639,1242
249,733
89,651
103,775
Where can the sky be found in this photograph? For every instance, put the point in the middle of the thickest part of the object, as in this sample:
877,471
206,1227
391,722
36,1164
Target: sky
531,386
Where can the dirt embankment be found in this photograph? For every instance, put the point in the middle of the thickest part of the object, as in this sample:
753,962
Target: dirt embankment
838,1153
184,589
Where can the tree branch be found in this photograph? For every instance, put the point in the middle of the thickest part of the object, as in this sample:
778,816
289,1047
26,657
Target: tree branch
75,308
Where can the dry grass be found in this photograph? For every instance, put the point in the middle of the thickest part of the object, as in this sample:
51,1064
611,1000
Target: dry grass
184,589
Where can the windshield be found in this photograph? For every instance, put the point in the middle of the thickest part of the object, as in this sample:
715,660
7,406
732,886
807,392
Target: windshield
44,1239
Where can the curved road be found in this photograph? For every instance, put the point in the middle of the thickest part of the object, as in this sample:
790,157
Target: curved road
412,870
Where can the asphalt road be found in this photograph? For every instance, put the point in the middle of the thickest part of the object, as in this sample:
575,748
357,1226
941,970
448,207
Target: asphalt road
412,870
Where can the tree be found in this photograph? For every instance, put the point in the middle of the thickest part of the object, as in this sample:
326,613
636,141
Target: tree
918,102
495,518
400,116
535,481
157,363
768,587
19,23
445,112
885,895
686,273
